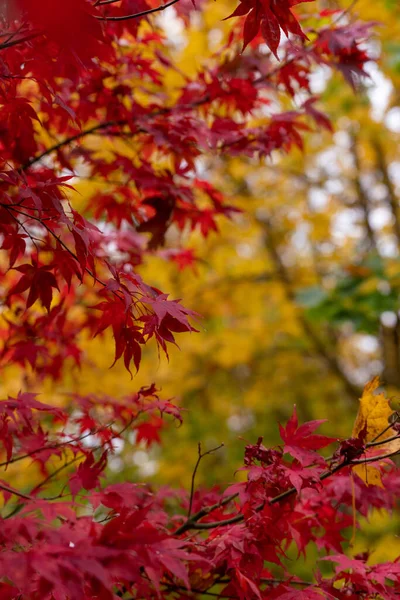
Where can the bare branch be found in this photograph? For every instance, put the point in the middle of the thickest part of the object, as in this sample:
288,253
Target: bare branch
391,193
143,13
363,200
200,457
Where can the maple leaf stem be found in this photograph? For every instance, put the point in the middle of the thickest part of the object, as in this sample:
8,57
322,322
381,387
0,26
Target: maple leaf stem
143,13
76,458
278,581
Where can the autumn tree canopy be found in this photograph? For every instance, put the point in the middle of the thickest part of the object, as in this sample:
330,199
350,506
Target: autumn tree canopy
133,139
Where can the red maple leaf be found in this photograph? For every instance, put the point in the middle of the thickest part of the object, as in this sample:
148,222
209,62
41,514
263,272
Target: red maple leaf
39,281
301,443
88,474
271,16
149,432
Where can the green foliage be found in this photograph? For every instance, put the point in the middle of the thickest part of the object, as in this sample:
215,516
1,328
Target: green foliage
359,297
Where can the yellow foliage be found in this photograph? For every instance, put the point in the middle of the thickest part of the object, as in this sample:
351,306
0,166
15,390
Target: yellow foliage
375,536
372,423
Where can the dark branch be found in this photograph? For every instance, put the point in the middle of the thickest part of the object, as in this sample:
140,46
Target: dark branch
191,523
143,13
200,457
27,38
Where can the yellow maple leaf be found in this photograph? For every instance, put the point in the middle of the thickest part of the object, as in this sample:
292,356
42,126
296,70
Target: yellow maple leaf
372,422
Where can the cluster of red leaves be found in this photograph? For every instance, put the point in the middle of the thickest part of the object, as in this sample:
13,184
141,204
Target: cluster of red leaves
129,542
269,17
66,71
65,75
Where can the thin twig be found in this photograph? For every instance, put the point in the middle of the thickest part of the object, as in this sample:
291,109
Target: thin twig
27,38
391,192
143,13
385,441
104,2
200,457
203,512
345,12
51,447
10,490
375,458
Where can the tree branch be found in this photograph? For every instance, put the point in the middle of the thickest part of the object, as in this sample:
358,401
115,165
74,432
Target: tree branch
70,139
200,457
27,38
362,196
52,447
10,490
143,13
319,344
191,523
391,194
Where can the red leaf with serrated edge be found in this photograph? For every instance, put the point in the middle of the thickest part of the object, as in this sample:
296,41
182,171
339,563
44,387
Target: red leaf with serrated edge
16,244
271,16
271,31
133,337
246,587
244,7
301,443
251,26
88,474
40,283
150,432
140,157
67,266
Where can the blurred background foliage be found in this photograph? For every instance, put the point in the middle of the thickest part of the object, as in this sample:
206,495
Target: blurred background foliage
299,293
